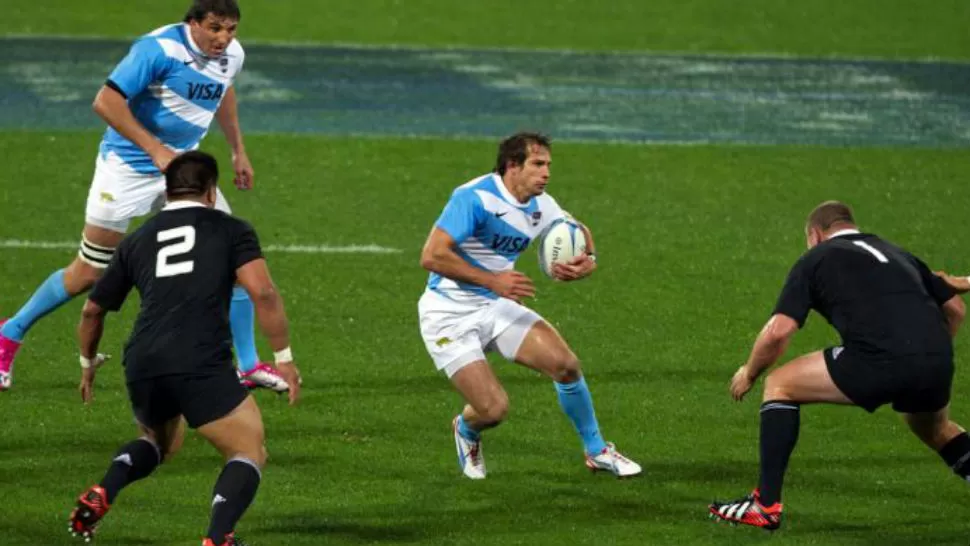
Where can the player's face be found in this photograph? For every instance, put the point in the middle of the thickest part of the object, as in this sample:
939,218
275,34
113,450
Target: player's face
533,175
213,33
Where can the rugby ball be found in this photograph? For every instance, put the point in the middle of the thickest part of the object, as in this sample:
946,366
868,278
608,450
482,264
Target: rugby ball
562,241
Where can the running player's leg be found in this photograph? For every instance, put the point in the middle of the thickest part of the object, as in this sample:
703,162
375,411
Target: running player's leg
943,436
529,340
242,322
926,409
804,380
239,437
117,194
162,430
487,405
450,330
97,247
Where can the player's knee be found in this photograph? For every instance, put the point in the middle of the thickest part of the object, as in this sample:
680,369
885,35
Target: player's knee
80,276
495,410
566,368
262,456
776,388
170,449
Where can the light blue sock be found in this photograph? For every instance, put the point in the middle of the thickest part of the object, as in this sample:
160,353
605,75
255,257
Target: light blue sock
467,432
50,295
242,321
577,404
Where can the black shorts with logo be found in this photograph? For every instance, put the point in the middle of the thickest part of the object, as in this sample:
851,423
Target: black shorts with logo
911,383
200,398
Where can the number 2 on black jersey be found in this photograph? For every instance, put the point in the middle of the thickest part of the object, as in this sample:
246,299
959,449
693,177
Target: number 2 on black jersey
176,242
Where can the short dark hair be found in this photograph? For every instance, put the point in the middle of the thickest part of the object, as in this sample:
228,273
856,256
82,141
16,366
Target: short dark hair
515,149
220,8
191,174
830,213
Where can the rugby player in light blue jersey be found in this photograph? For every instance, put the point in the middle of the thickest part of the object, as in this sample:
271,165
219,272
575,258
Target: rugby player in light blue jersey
160,100
472,303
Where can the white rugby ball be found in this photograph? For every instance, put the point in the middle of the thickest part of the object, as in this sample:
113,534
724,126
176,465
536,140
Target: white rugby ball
562,241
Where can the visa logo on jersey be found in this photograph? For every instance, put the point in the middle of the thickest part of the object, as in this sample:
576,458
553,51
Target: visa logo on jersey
206,91
509,244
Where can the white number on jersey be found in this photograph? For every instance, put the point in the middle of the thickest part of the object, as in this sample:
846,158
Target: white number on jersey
872,250
184,238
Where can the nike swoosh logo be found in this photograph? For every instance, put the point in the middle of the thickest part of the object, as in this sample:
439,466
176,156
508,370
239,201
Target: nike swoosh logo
187,63
500,214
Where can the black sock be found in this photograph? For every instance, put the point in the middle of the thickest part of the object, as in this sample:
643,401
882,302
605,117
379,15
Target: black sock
234,491
956,454
779,433
133,462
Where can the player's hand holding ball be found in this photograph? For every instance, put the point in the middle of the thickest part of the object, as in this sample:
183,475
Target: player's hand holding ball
563,251
576,268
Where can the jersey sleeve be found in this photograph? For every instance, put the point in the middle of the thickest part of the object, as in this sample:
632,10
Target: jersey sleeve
937,288
461,215
113,287
145,62
795,300
245,245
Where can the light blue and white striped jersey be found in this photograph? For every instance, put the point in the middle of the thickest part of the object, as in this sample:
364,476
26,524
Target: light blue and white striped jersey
491,228
173,89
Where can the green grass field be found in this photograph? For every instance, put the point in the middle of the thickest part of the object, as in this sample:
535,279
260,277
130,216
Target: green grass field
694,244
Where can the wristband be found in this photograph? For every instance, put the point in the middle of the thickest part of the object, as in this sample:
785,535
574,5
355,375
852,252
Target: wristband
283,355
87,362
592,256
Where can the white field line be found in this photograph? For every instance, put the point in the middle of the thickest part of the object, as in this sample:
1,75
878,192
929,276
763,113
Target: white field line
290,249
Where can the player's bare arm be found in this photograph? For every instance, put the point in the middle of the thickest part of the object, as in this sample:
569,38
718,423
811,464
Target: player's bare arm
439,256
768,348
255,278
113,109
89,332
581,266
954,310
228,118
960,284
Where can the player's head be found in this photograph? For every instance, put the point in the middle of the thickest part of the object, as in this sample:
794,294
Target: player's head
523,162
213,24
192,176
825,218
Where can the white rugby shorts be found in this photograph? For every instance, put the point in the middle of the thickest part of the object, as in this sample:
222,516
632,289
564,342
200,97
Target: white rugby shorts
459,333
119,194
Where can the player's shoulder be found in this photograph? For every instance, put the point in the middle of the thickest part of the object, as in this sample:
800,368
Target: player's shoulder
469,191
157,42
485,181
166,32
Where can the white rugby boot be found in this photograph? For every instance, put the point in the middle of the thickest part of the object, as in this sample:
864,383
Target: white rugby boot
470,457
613,461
